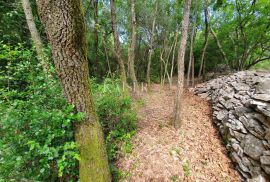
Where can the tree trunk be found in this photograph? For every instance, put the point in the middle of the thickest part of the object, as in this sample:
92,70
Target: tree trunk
191,48
64,24
173,56
118,50
180,66
96,37
35,35
193,70
206,35
224,56
132,46
151,47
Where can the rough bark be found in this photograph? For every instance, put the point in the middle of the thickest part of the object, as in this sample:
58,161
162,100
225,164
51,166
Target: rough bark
35,35
132,46
206,35
64,24
180,65
117,46
151,47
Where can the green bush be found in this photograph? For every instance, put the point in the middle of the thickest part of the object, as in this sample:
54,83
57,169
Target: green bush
36,127
117,117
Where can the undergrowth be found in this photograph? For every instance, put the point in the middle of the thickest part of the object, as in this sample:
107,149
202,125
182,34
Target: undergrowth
36,127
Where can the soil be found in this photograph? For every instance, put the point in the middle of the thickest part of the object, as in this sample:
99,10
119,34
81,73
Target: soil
193,153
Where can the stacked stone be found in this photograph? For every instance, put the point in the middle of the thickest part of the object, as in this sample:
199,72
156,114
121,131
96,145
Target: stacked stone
241,111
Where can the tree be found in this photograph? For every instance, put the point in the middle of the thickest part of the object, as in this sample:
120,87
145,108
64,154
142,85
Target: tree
35,35
64,24
132,46
151,45
193,33
206,35
117,46
180,66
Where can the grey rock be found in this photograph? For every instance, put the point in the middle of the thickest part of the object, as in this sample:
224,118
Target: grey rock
264,110
222,114
258,178
263,87
253,147
267,152
263,97
266,168
265,160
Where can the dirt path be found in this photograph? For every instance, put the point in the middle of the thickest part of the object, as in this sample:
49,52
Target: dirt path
193,153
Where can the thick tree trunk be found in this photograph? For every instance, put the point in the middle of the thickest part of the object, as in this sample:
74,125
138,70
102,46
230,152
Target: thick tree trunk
64,24
180,66
117,45
206,35
35,35
132,46
151,47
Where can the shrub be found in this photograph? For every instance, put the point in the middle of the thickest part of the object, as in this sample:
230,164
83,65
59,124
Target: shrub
117,117
36,127
37,140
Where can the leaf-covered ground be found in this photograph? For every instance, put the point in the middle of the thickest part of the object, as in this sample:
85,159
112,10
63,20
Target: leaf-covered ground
193,153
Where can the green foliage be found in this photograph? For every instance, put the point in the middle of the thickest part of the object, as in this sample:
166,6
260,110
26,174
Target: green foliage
37,139
117,117
37,124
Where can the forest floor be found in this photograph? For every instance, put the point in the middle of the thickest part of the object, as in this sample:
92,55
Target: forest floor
161,153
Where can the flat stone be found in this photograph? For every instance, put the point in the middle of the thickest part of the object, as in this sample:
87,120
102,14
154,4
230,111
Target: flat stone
240,86
265,160
267,152
253,147
266,168
258,178
222,114
264,110
263,97
263,87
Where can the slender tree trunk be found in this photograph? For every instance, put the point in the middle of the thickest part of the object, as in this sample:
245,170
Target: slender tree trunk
206,35
96,37
193,70
151,47
35,35
64,24
191,48
117,45
224,56
106,54
173,56
131,52
180,66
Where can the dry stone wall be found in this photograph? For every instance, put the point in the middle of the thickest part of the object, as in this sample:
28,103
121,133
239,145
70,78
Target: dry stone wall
241,111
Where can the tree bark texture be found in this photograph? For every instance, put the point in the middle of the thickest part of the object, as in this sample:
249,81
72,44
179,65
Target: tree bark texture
132,46
118,51
35,35
64,24
180,66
